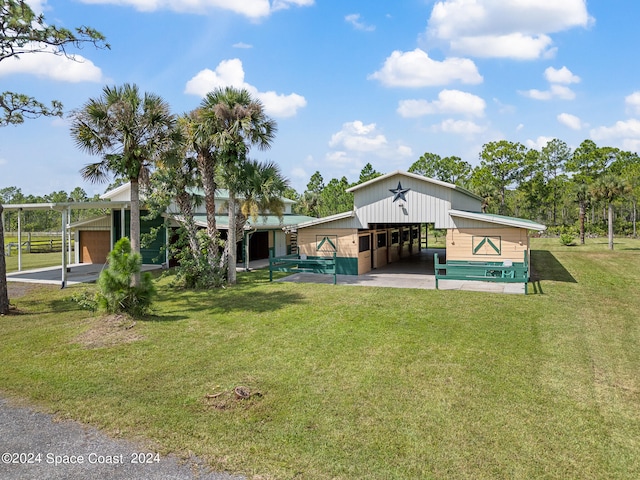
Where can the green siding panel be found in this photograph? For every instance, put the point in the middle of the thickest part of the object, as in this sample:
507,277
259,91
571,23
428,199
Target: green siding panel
344,265
347,266
152,253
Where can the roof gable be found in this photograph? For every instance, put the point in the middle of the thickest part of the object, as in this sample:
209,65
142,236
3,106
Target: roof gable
427,180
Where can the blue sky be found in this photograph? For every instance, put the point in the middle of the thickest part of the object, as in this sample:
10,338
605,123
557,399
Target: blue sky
349,82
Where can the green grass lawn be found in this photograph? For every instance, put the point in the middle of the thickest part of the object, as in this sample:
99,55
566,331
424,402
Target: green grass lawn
33,260
359,382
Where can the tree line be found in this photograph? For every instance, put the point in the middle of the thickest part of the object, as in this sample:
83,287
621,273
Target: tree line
590,190
44,220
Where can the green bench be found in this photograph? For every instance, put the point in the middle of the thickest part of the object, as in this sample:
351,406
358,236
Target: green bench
486,271
303,264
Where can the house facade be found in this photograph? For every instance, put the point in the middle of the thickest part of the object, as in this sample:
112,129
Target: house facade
95,238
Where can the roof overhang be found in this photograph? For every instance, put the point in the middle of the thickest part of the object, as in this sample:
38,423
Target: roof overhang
330,218
60,206
498,219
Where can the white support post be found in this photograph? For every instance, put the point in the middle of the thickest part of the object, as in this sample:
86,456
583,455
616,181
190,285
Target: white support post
68,231
19,239
64,248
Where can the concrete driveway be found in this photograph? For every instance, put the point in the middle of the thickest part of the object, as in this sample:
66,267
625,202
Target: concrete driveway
76,273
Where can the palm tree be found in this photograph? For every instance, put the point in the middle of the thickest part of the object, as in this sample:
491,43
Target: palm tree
201,128
582,196
261,188
610,188
241,124
129,131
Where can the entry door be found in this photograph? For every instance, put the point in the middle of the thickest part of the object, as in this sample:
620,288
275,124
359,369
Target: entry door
281,244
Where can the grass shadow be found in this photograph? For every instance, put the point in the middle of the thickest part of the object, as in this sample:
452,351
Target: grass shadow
545,266
249,294
230,300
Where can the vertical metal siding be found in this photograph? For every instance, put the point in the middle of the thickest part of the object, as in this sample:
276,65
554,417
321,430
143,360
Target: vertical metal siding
426,202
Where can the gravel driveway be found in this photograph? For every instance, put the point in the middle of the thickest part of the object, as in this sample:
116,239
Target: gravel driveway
35,446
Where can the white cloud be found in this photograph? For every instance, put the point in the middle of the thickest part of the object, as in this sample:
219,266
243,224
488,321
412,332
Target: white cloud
37,6
3,162
513,45
504,28
449,102
570,121
416,69
404,151
633,103
563,75
459,127
340,158
242,45
280,105
253,9
539,143
298,172
46,64
230,73
356,136
629,129
354,20
356,143
555,92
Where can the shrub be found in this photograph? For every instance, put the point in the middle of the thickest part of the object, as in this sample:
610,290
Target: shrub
566,239
116,294
194,270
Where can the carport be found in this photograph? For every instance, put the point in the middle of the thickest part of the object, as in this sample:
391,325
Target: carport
65,208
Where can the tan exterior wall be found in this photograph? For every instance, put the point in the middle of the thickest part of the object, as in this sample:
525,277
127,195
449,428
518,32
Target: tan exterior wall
511,241
349,244
347,239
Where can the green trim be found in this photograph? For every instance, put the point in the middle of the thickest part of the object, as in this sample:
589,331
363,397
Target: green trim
325,239
489,242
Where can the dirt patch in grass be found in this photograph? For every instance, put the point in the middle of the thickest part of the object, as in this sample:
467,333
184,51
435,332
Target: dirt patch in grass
109,331
239,396
17,289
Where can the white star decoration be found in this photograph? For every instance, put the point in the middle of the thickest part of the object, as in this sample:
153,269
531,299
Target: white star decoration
398,193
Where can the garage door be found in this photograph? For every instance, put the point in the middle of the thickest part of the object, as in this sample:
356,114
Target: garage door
94,247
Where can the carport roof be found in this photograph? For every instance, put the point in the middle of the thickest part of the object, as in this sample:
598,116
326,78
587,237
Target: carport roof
269,222
60,206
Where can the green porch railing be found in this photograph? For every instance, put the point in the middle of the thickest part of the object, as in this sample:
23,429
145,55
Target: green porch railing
302,264
496,271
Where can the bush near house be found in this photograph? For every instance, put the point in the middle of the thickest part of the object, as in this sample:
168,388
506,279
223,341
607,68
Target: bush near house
116,290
